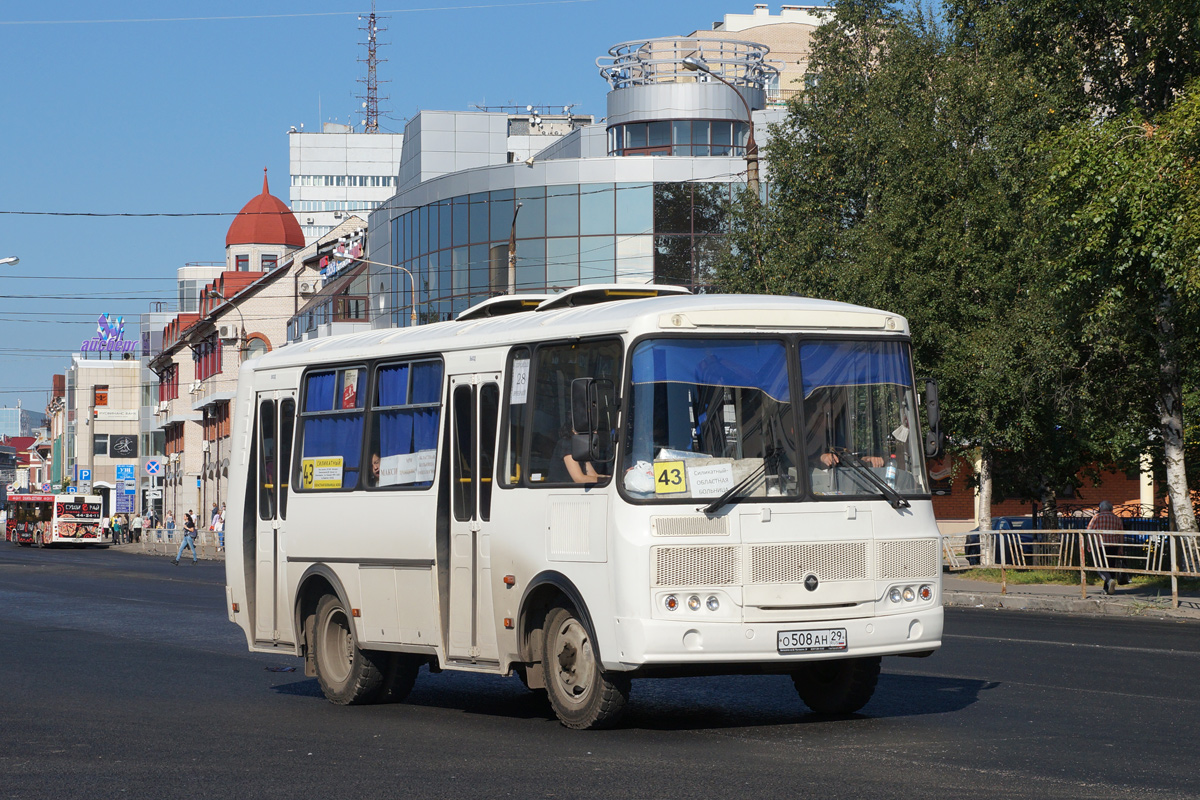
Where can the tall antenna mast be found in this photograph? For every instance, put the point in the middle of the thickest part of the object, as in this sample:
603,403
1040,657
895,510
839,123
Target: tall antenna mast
371,99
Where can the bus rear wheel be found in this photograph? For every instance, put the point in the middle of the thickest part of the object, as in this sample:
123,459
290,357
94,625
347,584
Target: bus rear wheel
837,687
581,693
348,675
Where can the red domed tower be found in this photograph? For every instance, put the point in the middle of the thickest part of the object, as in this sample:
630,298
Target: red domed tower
262,233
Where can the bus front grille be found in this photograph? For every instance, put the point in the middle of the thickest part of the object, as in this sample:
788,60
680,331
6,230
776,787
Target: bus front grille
698,566
908,558
791,563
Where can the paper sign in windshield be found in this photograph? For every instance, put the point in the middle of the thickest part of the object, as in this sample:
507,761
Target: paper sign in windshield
710,480
520,381
670,477
321,473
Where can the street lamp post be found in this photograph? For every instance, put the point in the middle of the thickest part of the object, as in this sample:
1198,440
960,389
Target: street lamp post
9,261
512,252
695,64
411,279
213,293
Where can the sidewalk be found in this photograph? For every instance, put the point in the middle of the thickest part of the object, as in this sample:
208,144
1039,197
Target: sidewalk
1129,601
149,547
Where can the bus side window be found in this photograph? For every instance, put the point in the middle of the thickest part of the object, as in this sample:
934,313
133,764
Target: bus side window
556,367
287,423
266,494
331,429
405,420
513,446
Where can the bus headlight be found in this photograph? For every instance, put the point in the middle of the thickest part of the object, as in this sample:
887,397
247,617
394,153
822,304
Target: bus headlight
894,594
910,594
671,602
694,603
713,603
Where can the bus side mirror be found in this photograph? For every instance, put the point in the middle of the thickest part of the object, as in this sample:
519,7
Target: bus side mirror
593,409
934,440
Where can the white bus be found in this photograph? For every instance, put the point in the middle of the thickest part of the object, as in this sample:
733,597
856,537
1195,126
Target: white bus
611,483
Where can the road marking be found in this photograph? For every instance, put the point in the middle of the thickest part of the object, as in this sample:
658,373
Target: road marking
1124,648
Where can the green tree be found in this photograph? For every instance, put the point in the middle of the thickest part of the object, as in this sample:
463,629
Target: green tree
898,181
1122,206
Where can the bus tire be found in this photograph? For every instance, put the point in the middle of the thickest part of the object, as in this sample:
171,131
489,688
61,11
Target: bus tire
582,694
842,686
348,675
402,669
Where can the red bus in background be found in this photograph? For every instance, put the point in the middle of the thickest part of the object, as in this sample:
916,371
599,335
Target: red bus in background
47,519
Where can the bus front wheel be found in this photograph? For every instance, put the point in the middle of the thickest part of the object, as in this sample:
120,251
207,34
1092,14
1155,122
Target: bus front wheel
581,693
837,687
348,675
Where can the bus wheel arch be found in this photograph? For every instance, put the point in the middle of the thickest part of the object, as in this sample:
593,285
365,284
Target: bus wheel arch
558,643
316,582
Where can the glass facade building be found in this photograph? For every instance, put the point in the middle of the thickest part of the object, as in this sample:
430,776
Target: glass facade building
640,198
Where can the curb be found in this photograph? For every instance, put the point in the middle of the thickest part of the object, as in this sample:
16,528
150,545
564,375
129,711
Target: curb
1062,605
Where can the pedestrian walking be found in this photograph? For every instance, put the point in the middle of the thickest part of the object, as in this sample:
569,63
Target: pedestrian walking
117,529
1105,520
212,515
136,528
189,534
170,521
106,528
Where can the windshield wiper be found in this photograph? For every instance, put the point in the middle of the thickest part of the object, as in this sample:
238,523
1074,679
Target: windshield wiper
891,495
735,492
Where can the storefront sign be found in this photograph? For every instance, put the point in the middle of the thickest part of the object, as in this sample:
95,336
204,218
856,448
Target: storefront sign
118,414
121,446
109,338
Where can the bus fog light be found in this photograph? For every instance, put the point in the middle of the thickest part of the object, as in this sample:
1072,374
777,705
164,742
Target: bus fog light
926,592
713,603
694,603
909,594
894,595
672,602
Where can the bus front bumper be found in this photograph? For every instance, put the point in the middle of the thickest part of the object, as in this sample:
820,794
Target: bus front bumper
643,642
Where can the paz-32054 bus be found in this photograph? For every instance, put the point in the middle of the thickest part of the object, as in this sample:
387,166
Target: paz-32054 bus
611,483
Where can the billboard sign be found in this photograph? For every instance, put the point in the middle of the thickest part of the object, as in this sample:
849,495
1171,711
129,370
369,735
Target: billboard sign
109,338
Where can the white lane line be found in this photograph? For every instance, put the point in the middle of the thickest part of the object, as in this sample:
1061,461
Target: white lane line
1122,648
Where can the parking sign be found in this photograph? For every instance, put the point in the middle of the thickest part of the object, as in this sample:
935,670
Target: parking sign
85,475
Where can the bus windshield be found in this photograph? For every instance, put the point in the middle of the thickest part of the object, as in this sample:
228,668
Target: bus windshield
860,419
708,415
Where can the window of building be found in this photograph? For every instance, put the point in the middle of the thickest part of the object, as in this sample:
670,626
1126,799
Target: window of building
270,261
242,263
100,444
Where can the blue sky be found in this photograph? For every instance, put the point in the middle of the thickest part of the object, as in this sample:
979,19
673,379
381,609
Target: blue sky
99,113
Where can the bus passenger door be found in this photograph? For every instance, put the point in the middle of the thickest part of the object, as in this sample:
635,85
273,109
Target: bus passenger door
474,414
276,422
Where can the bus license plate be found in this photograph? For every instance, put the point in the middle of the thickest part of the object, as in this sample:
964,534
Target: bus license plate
808,641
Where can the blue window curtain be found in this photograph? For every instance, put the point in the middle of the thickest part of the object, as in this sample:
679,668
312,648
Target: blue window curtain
403,426
758,365
848,363
327,433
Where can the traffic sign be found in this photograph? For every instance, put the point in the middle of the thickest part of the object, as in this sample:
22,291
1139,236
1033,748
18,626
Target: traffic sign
45,487
85,475
72,489
153,467
154,494
125,472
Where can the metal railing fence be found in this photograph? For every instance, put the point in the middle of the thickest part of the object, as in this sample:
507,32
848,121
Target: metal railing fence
166,542
1165,554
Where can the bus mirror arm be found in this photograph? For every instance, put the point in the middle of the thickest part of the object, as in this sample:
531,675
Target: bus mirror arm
934,440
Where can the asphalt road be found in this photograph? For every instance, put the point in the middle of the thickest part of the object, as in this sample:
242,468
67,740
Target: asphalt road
120,676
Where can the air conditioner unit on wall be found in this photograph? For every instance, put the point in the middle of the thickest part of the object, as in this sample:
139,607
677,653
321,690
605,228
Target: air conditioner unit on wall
162,405
195,387
227,332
